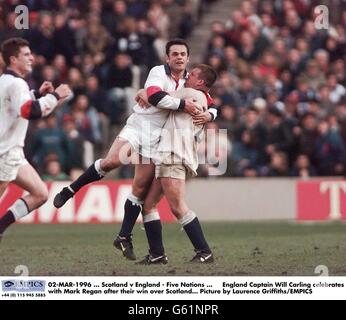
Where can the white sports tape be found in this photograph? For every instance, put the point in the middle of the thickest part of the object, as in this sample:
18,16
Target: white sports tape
19,209
187,218
98,168
152,216
135,199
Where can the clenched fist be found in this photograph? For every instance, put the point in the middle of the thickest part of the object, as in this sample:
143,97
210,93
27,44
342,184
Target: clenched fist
63,91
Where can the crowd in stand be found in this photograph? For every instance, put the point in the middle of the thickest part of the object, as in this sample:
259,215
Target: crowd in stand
103,49
281,88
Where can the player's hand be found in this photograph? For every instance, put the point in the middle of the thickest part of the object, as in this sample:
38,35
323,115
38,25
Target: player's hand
142,99
191,107
202,118
46,87
63,91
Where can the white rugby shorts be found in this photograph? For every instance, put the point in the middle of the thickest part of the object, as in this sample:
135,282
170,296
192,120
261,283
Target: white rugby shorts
143,132
10,162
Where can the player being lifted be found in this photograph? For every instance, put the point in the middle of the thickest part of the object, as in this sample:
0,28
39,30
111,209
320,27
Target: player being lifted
141,134
18,105
177,159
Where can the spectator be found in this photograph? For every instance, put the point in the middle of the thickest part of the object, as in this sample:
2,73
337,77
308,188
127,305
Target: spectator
120,79
329,152
245,94
278,165
53,171
76,159
245,155
303,168
42,36
50,139
337,90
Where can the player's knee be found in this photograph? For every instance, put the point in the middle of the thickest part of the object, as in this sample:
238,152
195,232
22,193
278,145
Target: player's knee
110,163
177,213
139,190
177,208
147,208
41,196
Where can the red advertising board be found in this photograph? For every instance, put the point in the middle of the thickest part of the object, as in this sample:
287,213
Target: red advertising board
321,200
100,202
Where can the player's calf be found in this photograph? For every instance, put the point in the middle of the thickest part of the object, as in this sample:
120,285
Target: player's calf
40,197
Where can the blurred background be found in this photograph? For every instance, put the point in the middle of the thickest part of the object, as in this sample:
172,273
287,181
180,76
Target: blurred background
280,93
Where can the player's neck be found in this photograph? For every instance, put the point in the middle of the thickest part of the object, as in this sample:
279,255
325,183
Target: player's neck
16,71
178,74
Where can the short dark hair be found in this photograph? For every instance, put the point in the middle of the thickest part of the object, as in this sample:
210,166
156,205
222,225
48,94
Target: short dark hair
208,74
11,47
177,41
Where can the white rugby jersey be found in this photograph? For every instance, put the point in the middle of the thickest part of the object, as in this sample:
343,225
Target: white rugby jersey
12,126
180,136
15,97
160,76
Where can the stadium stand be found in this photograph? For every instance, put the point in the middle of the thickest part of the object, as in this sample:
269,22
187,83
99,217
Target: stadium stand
281,88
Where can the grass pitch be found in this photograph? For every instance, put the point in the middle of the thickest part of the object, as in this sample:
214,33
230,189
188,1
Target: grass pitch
241,249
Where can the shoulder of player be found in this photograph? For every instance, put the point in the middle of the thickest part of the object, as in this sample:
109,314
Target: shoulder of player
158,70
14,83
194,94
156,77
193,91
19,84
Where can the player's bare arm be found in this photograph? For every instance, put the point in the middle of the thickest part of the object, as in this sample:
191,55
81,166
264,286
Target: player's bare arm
46,87
202,118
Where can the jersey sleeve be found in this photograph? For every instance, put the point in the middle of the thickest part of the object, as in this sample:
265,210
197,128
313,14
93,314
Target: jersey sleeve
202,99
213,111
157,97
211,107
190,93
23,103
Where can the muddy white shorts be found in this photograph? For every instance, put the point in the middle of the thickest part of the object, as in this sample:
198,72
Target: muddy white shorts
10,162
143,132
174,171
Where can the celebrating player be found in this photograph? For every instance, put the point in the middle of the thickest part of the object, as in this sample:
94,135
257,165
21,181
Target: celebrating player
177,159
141,134
18,105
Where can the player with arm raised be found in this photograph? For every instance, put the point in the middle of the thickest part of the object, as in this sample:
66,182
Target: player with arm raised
18,105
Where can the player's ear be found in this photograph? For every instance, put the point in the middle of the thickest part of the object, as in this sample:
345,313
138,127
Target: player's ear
13,59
